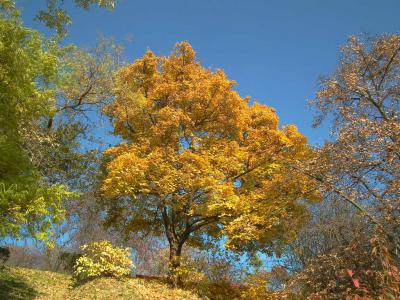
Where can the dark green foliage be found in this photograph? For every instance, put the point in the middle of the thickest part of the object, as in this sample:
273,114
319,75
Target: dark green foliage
4,255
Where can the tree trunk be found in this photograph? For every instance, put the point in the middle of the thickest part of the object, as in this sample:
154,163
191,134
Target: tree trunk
175,256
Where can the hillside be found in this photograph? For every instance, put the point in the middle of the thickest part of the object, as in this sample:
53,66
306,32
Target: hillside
21,283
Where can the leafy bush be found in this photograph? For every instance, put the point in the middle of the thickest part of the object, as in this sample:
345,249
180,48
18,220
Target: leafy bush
256,287
102,259
205,280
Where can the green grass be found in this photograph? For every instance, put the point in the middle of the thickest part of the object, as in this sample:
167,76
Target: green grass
26,284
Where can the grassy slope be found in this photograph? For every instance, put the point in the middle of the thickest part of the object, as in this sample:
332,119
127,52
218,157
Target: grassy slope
20,283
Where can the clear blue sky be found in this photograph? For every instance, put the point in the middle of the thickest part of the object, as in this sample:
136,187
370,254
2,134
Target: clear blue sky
275,50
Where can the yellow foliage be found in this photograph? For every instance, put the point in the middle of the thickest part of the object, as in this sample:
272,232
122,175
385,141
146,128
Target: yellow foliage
103,259
198,156
256,288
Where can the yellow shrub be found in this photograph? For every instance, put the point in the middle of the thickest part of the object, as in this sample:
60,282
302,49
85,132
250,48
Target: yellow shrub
256,288
103,259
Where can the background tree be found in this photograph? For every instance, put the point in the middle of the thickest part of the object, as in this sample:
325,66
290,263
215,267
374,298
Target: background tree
198,160
359,167
84,87
28,204
49,97
363,97
55,16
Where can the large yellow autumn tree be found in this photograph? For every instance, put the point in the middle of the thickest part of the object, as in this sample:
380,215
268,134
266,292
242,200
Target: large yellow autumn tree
198,160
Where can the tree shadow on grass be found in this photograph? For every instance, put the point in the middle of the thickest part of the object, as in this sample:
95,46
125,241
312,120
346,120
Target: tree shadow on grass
14,287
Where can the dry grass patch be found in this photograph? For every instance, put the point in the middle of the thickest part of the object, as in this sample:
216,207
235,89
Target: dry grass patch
26,284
